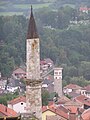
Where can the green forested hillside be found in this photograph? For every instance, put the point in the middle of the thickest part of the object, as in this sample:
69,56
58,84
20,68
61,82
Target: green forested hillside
77,3
67,45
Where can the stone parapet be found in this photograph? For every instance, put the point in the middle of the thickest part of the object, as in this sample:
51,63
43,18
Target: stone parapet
33,82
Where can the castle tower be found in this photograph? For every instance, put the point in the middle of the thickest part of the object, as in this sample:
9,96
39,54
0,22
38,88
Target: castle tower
58,81
33,82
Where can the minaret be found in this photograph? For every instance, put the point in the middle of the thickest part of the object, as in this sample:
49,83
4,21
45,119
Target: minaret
33,82
58,81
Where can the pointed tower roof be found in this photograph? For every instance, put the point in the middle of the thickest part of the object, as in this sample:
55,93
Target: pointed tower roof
32,30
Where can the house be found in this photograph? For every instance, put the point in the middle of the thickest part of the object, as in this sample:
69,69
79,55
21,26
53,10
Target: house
49,62
48,84
19,73
86,91
5,111
84,9
46,81
3,83
74,103
85,100
73,94
14,85
46,64
43,65
73,115
72,87
86,115
62,100
18,104
49,112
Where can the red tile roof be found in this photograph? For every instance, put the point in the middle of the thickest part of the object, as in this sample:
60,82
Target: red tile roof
84,8
87,88
42,62
83,99
7,111
19,71
72,109
56,110
86,114
17,100
73,103
63,100
73,86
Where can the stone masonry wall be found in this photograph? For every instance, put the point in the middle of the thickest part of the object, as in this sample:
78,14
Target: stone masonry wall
33,83
33,98
33,59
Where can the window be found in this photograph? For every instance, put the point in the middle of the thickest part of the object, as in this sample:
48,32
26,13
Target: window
59,73
21,103
56,73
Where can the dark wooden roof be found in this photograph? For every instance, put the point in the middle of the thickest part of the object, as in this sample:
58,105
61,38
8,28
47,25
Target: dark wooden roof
32,30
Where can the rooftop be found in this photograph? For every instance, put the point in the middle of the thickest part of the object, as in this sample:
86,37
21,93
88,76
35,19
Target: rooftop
5,111
83,99
17,100
73,86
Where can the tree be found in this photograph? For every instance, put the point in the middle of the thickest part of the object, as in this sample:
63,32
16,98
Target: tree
84,69
79,81
45,97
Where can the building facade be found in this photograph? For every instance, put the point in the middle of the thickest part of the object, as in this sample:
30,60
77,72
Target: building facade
58,81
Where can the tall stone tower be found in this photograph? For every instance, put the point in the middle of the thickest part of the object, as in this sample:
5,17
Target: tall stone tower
58,81
33,82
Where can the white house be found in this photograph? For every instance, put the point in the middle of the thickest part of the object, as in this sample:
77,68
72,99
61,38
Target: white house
86,91
72,87
19,73
12,89
3,84
18,104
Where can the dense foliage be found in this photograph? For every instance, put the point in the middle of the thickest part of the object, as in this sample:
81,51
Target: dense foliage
67,45
7,97
12,43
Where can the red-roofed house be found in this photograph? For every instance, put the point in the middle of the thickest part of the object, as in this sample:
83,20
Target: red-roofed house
86,115
85,100
19,73
73,115
18,104
86,91
5,111
46,64
72,87
48,111
84,9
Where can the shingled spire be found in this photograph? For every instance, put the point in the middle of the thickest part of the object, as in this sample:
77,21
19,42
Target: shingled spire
32,30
